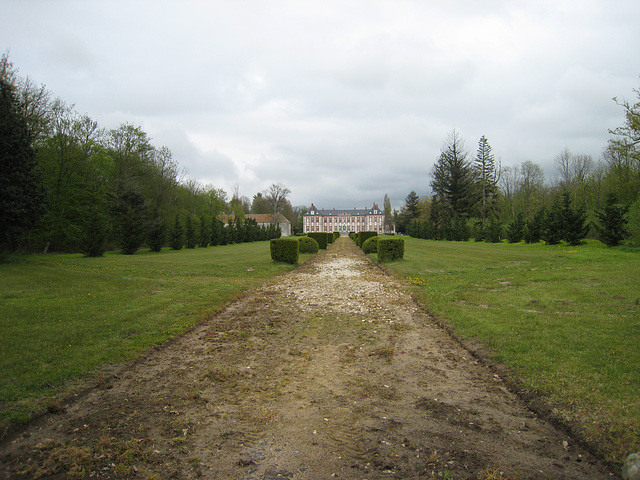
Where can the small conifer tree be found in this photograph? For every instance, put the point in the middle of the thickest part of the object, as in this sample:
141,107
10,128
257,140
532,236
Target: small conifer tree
612,228
553,229
494,232
177,236
191,234
534,226
576,227
205,233
515,229
156,234
216,232
94,235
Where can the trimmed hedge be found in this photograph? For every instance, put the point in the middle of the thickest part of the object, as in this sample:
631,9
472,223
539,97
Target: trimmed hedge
286,250
370,245
320,237
361,237
390,249
308,245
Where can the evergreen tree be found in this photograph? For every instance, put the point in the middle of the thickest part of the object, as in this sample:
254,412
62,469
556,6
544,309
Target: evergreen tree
205,233
534,227
216,231
22,197
224,235
177,235
156,234
494,231
413,228
408,212
439,217
241,233
388,217
230,228
515,229
553,229
252,230
485,170
612,222
576,227
453,177
129,218
191,238
93,239
459,230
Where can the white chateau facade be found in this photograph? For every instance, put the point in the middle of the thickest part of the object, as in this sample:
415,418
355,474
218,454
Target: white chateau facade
344,221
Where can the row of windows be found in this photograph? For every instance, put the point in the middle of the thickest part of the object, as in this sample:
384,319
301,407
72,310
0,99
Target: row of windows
314,228
343,220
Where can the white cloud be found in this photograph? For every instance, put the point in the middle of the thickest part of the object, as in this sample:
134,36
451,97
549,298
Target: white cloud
340,101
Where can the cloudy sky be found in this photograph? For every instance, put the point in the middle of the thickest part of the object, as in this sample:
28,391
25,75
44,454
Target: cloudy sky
340,101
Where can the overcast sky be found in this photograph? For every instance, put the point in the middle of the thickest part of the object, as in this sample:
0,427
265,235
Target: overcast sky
340,101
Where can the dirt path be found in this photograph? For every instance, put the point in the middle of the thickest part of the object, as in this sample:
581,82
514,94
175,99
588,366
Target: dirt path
328,371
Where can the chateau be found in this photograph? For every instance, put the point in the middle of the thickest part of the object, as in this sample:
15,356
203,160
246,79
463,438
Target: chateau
344,221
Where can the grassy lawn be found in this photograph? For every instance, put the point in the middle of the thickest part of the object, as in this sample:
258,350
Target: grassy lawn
565,319
64,316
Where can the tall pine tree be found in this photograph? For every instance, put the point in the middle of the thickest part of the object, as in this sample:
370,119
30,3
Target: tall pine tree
484,166
21,193
453,179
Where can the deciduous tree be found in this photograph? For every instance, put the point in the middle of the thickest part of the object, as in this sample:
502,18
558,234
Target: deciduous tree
276,195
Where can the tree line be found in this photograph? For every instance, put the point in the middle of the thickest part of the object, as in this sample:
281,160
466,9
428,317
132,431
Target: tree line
68,185
478,197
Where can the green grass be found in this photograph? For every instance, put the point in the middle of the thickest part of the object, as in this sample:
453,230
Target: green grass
64,316
565,319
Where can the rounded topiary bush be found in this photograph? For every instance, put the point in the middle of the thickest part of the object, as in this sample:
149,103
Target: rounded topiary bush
390,249
370,245
285,250
320,237
362,237
308,245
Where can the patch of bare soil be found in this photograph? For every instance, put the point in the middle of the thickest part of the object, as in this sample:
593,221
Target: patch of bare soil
328,371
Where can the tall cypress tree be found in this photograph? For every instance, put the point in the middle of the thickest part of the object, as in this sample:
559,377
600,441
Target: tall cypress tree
216,231
205,233
22,197
177,236
191,238
130,218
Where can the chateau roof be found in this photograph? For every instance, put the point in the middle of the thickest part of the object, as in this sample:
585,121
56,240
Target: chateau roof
375,210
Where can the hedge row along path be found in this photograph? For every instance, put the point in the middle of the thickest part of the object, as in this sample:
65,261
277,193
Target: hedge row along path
329,371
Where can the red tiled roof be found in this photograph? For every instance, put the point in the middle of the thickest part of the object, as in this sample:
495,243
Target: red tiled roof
259,217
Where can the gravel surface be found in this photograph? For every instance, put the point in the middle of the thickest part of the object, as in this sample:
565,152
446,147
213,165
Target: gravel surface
329,371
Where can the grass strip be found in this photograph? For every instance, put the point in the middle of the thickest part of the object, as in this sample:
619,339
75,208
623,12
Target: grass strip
64,316
565,319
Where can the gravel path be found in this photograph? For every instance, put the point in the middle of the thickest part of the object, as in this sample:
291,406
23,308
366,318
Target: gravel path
329,371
